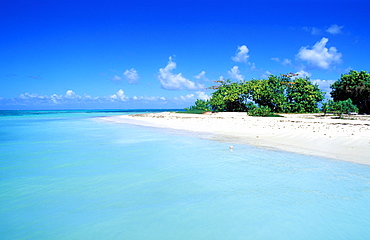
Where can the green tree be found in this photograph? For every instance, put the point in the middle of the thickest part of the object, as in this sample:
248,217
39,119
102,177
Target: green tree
229,97
200,106
284,94
303,96
342,107
277,93
356,86
262,111
268,92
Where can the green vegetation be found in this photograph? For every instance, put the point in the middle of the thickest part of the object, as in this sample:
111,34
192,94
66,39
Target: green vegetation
340,107
277,94
355,86
200,107
288,94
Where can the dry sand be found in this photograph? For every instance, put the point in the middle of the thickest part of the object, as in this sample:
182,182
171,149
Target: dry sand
341,139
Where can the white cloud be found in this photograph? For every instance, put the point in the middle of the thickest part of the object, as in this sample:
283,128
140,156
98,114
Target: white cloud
116,78
55,98
320,56
302,74
188,97
313,30
132,77
201,75
284,62
324,86
120,96
171,81
253,66
70,94
27,96
235,73
266,74
146,98
70,98
347,70
334,29
87,96
241,55
316,31
203,95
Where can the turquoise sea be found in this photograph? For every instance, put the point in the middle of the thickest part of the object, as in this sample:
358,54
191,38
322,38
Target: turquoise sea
69,175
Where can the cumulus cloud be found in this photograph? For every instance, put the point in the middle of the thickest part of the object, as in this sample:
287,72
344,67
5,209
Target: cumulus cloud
171,81
28,95
242,54
72,99
120,96
203,95
334,29
234,73
132,77
70,94
54,98
320,56
30,98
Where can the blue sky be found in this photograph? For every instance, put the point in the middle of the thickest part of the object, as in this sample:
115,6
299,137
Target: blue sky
62,54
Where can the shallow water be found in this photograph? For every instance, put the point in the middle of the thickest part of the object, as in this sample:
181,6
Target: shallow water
70,176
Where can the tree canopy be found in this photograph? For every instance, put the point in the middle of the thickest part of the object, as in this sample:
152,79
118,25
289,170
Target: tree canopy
229,97
355,86
289,94
340,107
278,93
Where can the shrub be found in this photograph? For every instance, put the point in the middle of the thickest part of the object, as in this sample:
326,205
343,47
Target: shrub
261,111
341,107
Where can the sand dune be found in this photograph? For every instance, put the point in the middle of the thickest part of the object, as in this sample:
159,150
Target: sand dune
347,140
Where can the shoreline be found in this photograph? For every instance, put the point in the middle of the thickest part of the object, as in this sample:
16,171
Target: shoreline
340,139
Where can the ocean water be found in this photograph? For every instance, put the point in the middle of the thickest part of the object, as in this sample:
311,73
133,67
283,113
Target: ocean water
69,175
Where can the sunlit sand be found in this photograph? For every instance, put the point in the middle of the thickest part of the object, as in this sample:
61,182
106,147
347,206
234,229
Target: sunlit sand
341,139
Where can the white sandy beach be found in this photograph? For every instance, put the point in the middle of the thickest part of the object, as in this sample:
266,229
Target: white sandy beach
340,139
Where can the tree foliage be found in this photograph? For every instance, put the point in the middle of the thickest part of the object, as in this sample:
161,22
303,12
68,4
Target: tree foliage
355,86
303,96
262,111
229,97
341,107
269,93
277,93
200,106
